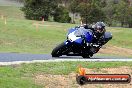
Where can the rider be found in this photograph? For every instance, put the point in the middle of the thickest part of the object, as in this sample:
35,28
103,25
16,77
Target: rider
98,31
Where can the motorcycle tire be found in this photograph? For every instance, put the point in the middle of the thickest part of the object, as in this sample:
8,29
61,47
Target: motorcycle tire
87,55
57,51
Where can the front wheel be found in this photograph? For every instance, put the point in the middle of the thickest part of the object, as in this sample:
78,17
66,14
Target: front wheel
57,51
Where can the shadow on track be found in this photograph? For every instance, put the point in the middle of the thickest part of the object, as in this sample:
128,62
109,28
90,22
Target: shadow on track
94,57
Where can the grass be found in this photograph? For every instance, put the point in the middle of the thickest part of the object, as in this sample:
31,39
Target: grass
67,67
122,37
11,12
22,36
10,3
11,77
21,76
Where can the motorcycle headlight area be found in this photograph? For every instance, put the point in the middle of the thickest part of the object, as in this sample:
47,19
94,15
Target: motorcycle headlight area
72,37
68,38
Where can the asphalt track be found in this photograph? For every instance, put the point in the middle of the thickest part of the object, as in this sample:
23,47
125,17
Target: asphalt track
16,58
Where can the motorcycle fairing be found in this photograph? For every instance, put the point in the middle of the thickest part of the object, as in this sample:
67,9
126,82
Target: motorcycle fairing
89,36
76,35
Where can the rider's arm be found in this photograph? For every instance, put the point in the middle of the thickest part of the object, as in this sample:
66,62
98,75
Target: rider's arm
91,29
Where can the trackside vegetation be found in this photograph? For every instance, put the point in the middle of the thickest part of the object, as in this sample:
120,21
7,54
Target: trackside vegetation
21,76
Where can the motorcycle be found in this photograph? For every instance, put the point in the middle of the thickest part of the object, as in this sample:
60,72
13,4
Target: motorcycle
79,42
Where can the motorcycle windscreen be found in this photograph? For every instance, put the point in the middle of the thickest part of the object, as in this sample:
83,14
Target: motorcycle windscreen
71,30
85,33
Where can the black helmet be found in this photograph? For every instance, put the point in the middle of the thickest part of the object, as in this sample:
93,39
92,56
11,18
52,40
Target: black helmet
99,27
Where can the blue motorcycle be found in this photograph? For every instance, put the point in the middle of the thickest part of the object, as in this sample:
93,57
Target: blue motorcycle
80,43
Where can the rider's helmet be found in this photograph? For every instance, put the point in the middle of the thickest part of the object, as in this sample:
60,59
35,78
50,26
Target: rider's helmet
99,27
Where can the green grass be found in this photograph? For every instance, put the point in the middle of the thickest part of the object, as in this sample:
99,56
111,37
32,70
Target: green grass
122,37
21,76
11,77
11,12
67,67
21,36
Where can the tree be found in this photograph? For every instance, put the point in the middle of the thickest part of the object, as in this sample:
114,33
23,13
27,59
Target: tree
124,13
91,11
61,14
64,2
121,12
73,8
35,9
110,11
129,16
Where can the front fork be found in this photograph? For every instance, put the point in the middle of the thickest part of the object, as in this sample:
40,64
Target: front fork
67,42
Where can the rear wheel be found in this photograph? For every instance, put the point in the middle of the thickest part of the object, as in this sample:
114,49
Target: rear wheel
57,51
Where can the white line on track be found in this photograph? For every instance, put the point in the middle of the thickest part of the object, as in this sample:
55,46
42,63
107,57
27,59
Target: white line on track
61,60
